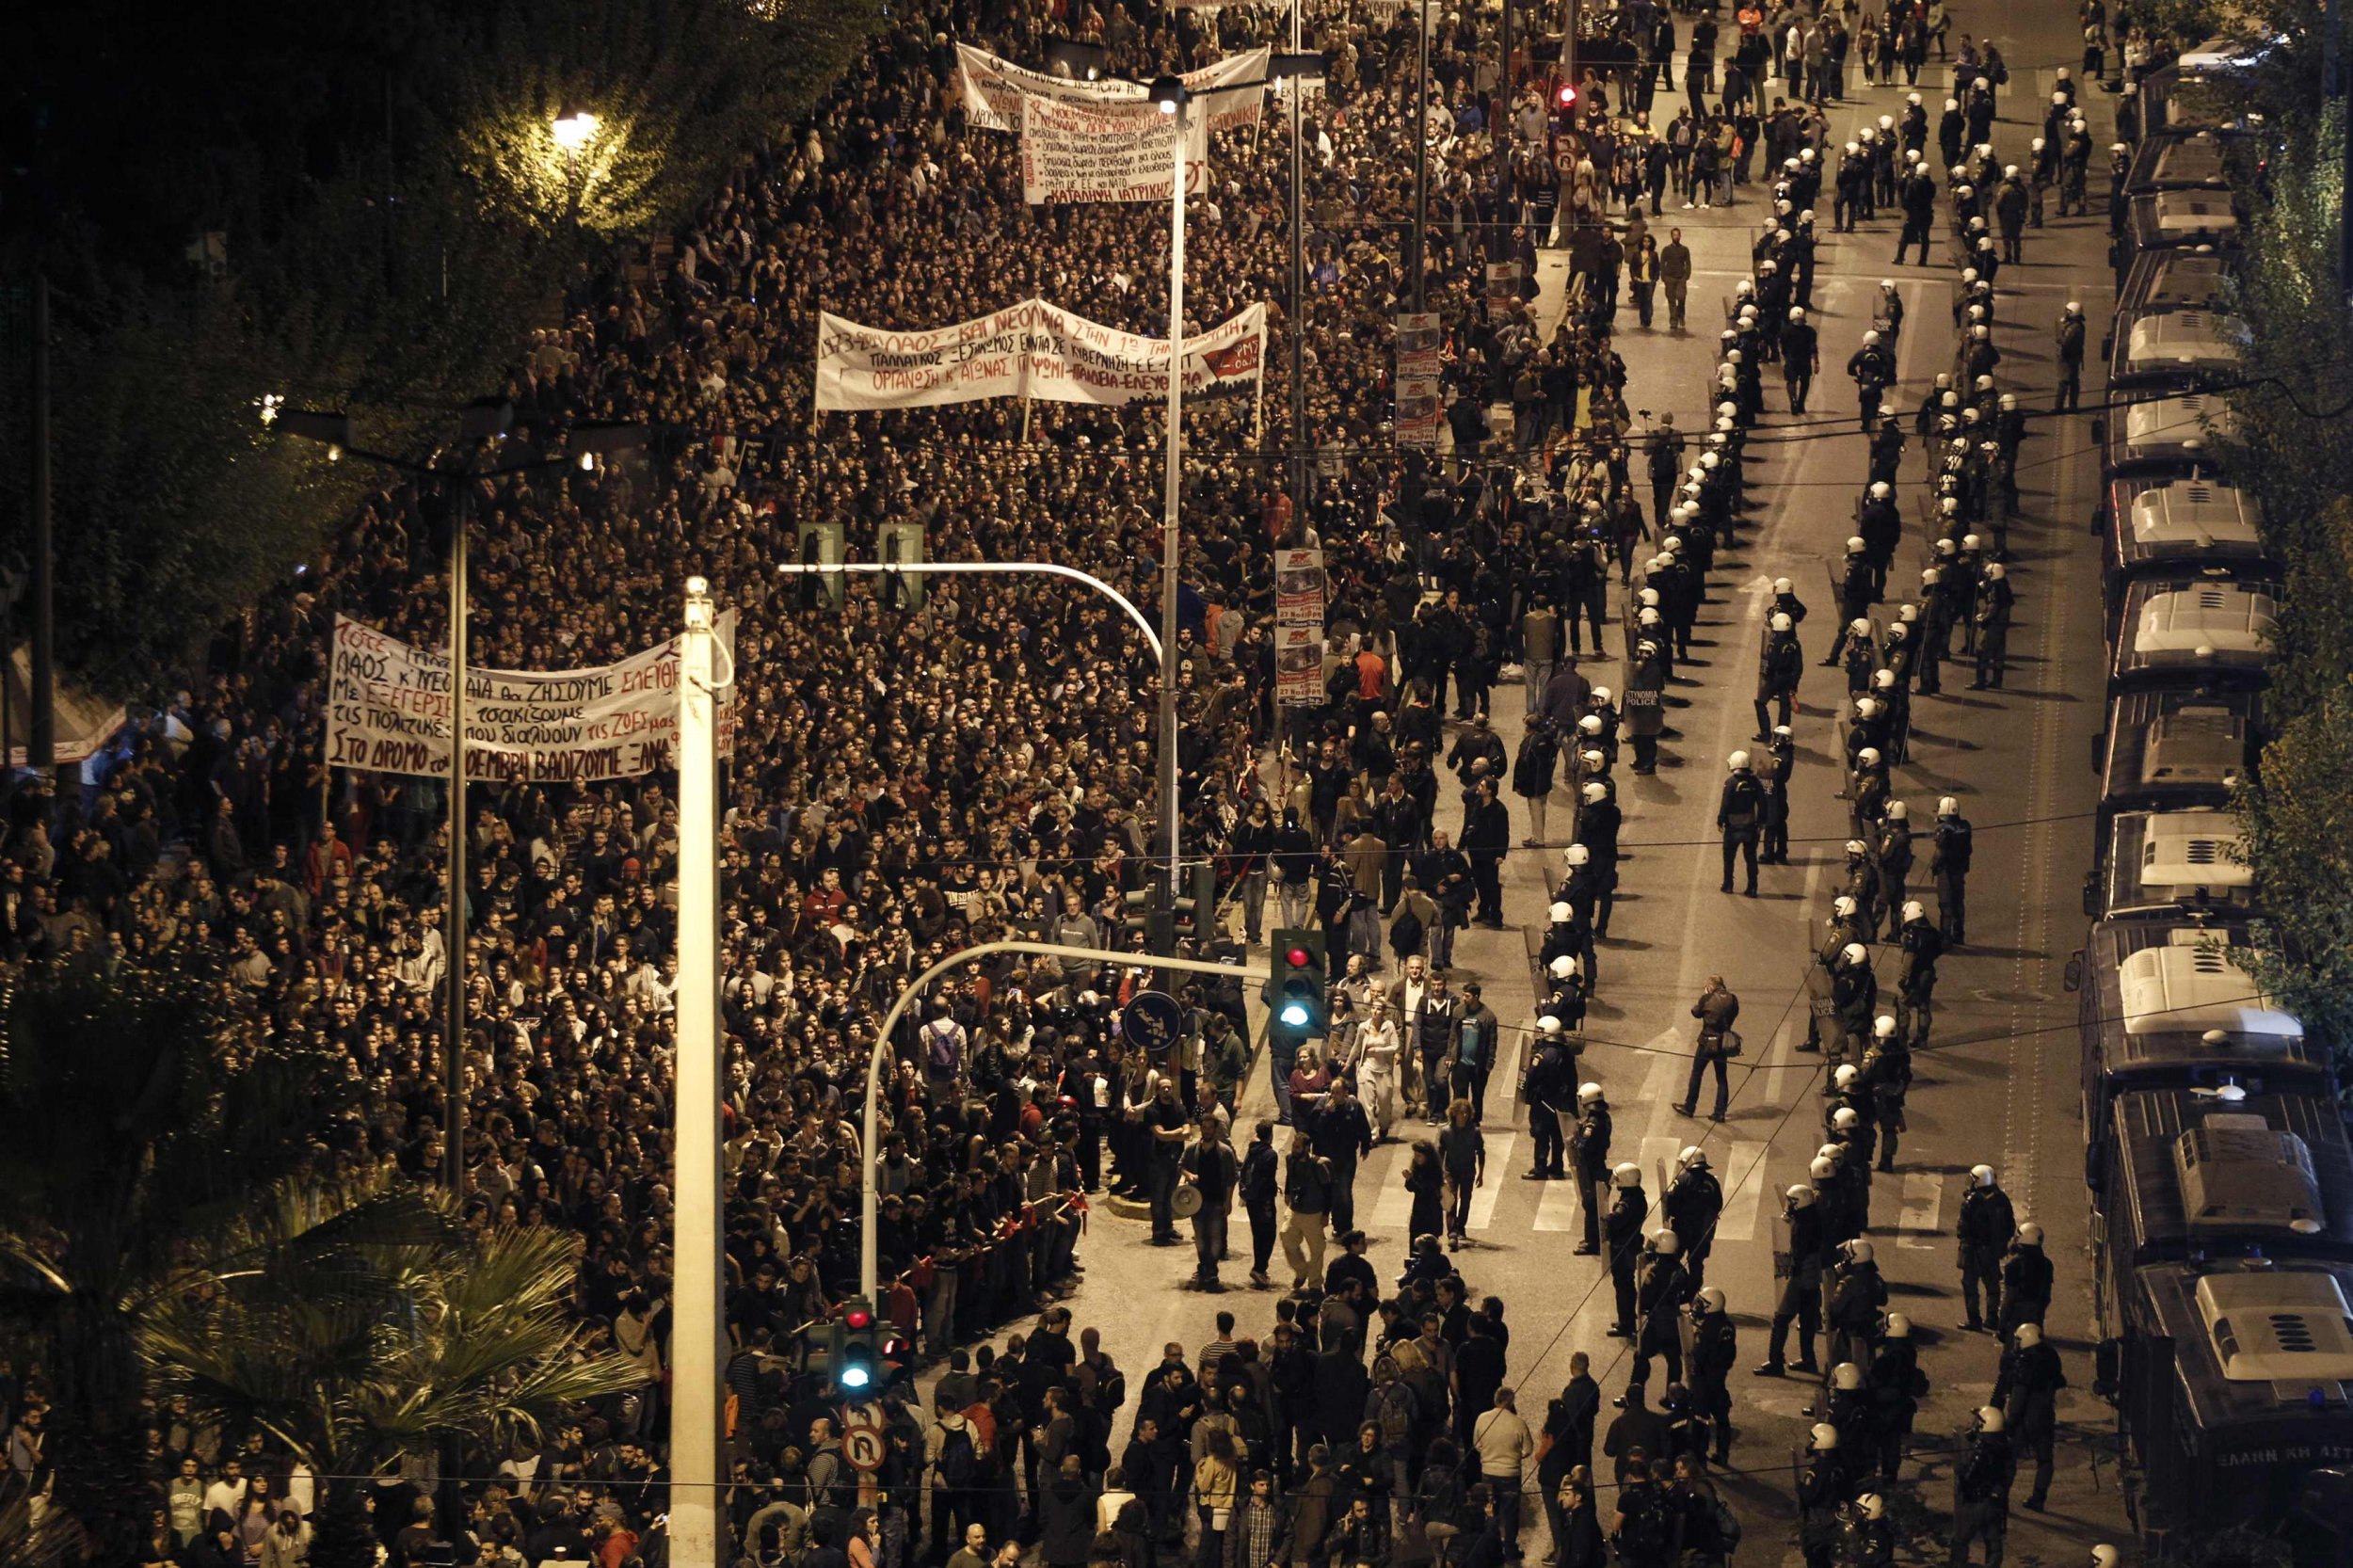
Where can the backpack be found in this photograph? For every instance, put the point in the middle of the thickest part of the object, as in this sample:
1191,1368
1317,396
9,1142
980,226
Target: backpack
940,1046
1396,1415
1406,934
1727,1527
1643,1536
959,1462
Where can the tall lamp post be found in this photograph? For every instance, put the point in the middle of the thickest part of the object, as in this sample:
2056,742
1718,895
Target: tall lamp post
481,426
572,130
1176,100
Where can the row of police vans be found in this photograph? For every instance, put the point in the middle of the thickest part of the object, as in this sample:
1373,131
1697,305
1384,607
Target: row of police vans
2220,1174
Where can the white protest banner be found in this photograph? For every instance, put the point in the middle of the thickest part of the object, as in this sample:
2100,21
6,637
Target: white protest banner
994,89
1031,349
1418,340
1299,666
1417,411
388,711
1105,152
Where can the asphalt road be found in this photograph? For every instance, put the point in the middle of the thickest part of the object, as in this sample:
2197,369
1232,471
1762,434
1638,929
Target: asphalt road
1998,1083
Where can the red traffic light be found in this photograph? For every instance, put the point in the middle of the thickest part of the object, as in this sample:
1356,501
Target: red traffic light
1564,96
857,1317
1297,958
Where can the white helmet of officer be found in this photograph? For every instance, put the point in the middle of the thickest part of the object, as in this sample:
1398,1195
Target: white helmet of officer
1561,912
1595,793
1782,621
1844,1079
1847,1378
1588,1094
1899,1326
1857,1251
2029,1234
1981,1178
1914,911
1547,1024
1868,757
1948,805
1576,854
1824,1436
1563,967
1693,1157
1822,1169
1844,1119
1841,907
1800,1196
1855,952
1882,1028
1664,1243
1991,1420
1737,760
1897,808
2027,1335
1881,490
1871,1506
1710,1300
1627,1175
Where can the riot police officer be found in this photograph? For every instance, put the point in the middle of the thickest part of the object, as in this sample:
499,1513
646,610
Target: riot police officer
1981,1483
1920,945
1694,1202
1948,865
1622,1233
1662,1288
2028,1390
1986,1225
1589,1155
1715,1348
1800,1271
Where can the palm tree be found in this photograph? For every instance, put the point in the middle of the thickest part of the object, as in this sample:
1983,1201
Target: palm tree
138,1127
361,1331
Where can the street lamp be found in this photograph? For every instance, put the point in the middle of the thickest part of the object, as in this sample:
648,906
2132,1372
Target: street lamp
1174,100
572,130
482,425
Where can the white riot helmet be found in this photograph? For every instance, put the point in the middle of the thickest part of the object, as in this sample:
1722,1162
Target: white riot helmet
1991,1420
1782,584
1588,1094
1847,1378
1897,808
1948,805
1595,793
1844,1079
2027,1335
1800,1196
1797,313
1709,1299
2029,1234
2105,1556
1781,621
1915,910
1588,724
1860,626
1870,336
1822,1169
1845,1119
1663,1242
1563,967
1882,1028
1737,760
1981,1177
1825,1438
1854,952
1693,1157
1841,907
1881,490
1857,1251
1601,694
1868,757
1871,1506
1884,681
1855,545
1559,912
1899,1326
1576,855
1548,1025
1627,1175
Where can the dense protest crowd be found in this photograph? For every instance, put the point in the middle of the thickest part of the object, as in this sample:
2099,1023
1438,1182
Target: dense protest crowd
907,782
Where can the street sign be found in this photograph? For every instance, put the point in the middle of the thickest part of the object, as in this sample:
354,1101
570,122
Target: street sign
1152,1021
862,1445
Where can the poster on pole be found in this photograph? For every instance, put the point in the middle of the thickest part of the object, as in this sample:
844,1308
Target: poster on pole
994,89
1418,340
1299,666
1106,152
389,709
1299,588
1032,349
1503,286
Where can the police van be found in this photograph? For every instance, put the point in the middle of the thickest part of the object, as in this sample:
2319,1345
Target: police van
2167,522
2166,1003
2171,863
2192,277
2174,433
2180,160
2186,629
2158,219
2188,346
2171,747
2231,1379
2177,1172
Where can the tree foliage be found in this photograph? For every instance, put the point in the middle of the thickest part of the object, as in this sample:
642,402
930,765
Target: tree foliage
137,1132
392,211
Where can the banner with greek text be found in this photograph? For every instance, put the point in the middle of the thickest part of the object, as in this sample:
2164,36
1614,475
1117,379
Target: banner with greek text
388,711
1105,152
1031,349
1299,666
994,89
1418,340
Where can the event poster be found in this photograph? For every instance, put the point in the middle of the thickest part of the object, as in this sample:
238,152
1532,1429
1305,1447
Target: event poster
1418,338
1299,665
994,89
388,711
1105,152
1031,349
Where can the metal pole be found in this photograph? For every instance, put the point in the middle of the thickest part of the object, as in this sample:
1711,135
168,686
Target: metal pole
1421,162
454,917
998,569
866,1265
698,1331
1499,129
1298,91
40,745
1172,485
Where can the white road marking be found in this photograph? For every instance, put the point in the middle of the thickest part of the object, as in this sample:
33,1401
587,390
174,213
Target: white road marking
1558,1210
1924,1202
1500,1169
1742,1169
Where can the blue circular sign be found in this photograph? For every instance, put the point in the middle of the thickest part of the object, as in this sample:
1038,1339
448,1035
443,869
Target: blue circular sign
1152,1021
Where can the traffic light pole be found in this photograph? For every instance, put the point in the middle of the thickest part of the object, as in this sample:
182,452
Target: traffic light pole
872,1132
980,569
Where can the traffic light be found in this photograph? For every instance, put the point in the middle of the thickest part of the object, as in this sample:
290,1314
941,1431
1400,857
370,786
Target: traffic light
819,544
901,545
1194,904
1564,97
1297,990
858,1362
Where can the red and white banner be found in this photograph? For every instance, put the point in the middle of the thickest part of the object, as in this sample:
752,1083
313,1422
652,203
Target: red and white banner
1031,349
1105,152
994,89
388,711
